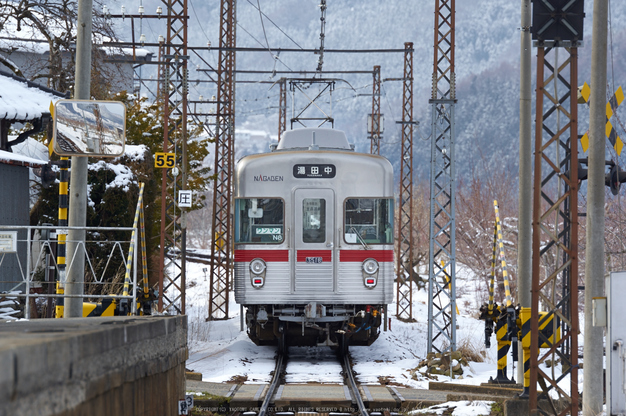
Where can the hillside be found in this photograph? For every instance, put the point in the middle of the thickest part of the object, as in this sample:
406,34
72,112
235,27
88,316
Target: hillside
487,67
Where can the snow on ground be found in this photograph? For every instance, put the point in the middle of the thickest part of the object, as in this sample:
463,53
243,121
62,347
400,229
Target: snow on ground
461,408
221,352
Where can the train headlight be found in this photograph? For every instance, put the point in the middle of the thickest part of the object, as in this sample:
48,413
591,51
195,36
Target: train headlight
369,270
257,272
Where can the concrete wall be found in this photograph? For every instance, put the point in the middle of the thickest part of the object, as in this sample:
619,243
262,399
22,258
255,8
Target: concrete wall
14,210
93,366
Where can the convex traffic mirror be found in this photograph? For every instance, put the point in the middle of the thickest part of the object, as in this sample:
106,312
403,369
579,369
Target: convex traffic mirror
89,128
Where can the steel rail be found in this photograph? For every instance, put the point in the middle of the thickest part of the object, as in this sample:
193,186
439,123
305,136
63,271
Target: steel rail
278,371
347,369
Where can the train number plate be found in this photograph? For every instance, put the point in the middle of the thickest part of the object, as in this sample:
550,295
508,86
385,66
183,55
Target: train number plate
314,260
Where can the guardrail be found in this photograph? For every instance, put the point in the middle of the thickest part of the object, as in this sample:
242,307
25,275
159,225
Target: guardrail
41,255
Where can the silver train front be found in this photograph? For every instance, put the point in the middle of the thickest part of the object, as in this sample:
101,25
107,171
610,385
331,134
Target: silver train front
314,241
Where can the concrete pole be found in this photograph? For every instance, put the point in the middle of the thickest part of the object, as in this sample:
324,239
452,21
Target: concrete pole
78,179
525,199
594,252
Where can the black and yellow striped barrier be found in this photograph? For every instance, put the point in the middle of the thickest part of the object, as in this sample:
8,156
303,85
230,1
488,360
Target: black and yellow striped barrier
504,344
145,301
500,244
502,316
124,307
104,308
547,335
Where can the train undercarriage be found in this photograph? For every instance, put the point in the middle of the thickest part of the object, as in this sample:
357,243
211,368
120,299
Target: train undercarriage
314,324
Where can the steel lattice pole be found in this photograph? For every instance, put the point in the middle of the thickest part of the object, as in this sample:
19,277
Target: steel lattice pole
174,93
555,229
282,108
224,156
375,131
442,257
404,269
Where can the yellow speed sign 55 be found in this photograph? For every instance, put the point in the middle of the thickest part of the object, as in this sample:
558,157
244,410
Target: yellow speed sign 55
164,160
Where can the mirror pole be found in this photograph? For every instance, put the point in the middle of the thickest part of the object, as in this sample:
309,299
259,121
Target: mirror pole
78,179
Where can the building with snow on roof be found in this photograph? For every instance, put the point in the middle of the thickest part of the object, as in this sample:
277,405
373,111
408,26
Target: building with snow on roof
27,53
22,102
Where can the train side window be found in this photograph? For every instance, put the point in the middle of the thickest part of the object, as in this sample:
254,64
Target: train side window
368,220
313,220
259,220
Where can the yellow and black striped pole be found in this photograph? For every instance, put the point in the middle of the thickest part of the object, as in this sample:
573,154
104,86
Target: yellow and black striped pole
525,316
505,276
493,268
63,206
504,344
125,310
146,306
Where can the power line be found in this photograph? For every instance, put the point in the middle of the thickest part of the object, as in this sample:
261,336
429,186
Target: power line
278,27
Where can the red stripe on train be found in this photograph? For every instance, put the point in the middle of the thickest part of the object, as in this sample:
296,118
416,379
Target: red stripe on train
360,255
267,255
326,255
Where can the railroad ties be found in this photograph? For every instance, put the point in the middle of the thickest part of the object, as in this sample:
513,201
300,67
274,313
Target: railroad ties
308,399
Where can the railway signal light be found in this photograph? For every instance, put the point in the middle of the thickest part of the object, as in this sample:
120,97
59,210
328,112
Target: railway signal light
613,179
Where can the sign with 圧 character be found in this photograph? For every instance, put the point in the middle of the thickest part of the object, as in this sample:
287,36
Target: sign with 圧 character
185,198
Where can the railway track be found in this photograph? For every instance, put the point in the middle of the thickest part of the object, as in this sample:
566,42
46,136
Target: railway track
278,378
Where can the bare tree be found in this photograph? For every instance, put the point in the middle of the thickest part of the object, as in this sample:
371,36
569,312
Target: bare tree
475,220
40,26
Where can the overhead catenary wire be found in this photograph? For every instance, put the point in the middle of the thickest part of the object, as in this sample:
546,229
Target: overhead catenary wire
278,27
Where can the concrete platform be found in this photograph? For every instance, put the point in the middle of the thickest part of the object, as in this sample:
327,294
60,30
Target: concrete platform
95,366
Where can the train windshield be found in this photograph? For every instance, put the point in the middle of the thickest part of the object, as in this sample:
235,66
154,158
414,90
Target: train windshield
368,220
259,220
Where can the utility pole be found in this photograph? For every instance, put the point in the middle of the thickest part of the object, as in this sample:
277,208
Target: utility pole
282,108
442,249
594,251
404,267
555,209
375,129
78,179
524,224
221,249
173,243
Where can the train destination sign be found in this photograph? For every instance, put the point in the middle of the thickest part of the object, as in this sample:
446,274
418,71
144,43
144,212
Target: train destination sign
314,171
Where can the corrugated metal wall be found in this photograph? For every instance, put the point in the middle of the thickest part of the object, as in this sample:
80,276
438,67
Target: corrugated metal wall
14,210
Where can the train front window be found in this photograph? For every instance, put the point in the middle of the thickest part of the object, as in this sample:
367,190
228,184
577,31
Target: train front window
259,220
368,220
313,220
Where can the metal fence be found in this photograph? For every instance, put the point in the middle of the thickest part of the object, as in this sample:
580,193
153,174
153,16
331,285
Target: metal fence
42,270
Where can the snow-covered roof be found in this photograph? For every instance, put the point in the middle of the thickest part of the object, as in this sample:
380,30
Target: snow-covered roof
9,158
22,100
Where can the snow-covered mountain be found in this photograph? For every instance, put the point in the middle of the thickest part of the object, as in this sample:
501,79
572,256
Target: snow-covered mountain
486,55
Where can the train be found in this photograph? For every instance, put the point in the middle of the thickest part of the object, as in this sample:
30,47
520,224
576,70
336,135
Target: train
313,241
